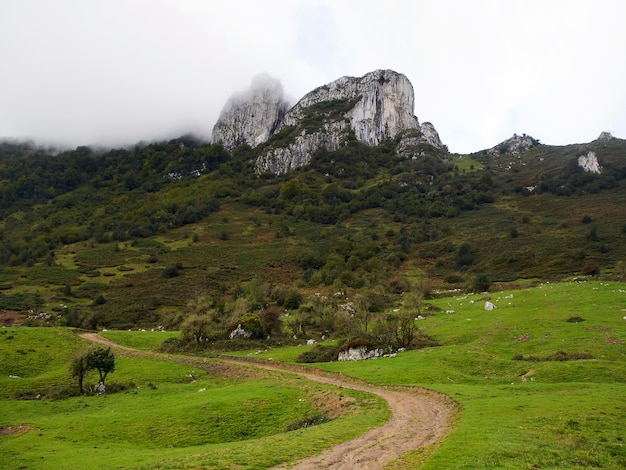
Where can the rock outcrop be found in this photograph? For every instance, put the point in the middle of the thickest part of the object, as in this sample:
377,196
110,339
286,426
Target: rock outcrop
252,116
374,107
589,163
514,146
359,353
382,104
605,137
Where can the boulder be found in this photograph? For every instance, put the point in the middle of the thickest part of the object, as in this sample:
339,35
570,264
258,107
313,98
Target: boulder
359,353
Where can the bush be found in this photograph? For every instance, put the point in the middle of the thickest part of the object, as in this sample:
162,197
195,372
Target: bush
318,354
481,283
464,256
170,271
122,387
590,268
356,343
293,300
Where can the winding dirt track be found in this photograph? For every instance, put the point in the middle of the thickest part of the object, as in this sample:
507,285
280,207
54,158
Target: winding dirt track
420,418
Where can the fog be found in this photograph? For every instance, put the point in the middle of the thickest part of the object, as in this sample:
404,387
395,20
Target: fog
117,72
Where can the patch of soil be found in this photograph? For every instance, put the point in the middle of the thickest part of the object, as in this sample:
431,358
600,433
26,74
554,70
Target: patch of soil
11,318
20,429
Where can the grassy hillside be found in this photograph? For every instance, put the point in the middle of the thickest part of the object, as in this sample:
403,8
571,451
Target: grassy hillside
131,237
195,413
539,382
526,400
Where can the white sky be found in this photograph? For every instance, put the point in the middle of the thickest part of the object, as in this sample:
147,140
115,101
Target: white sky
115,72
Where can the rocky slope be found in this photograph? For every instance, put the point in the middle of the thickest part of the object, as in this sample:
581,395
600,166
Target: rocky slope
374,107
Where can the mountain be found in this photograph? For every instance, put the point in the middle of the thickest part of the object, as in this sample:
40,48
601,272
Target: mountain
375,205
371,108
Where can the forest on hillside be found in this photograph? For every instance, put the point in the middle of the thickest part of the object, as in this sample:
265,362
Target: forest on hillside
101,231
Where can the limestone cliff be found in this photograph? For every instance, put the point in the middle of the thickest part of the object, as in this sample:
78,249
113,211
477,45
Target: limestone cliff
374,107
383,103
251,117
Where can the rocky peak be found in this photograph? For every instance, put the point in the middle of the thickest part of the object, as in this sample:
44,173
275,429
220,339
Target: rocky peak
382,104
514,145
251,116
605,137
374,107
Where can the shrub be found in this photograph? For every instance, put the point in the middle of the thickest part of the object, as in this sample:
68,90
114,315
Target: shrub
557,356
355,343
253,325
318,354
170,271
122,387
564,356
293,300
590,268
481,283
464,256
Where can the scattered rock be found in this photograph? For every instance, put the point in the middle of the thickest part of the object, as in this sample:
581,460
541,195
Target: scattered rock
359,353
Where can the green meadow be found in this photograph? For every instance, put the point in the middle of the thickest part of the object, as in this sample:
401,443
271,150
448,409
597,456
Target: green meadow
539,382
190,413
515,414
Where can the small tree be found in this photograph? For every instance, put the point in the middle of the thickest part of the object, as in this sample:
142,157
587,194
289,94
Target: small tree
78,368
196,327
101,359
270,319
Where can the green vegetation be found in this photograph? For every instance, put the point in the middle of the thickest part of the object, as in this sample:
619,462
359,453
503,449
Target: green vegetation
350,250
187,414
563,412
98,358
136,234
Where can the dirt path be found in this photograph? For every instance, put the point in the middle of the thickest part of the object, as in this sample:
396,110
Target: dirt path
420,418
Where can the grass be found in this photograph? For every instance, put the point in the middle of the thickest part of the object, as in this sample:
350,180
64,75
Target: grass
184,414
513,413
520,414
143,340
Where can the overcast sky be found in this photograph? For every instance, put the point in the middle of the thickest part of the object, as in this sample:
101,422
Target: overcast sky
115,72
